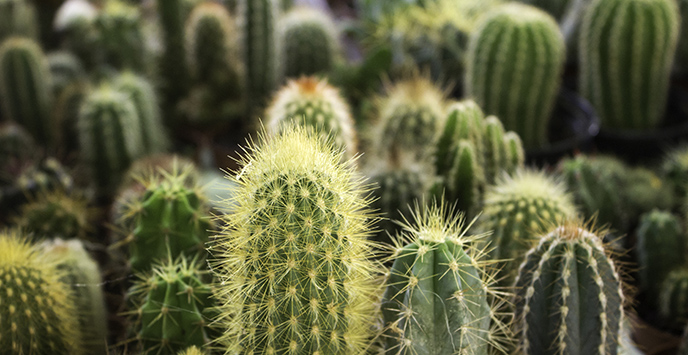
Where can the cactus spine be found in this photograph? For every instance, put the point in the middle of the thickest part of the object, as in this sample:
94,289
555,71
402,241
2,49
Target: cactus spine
675,172
293,256
672,298
25,91
37,313
515,61
661,247
627,82
569,296
313,102
309,42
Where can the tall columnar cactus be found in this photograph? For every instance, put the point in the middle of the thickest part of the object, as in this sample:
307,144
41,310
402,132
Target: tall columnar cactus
515,62
172,307
82,274
309,42
569,297
65,69
436,300
517,209
675,171
120,36
464,122
293,257
66,113
55,214
627,82
37,314
672,298
313,102
25,91
257,23
17,18
661,248
173,65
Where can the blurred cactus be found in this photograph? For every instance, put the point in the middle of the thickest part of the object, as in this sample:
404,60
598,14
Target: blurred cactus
661,247
514,66
66,114
675,173
17,18
176,79
192,351
120,37
309,42
646,191
681,61
55,214
627,83
17,149
65,69
672,298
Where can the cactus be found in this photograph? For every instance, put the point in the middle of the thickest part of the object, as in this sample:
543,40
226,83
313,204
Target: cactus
436,300
120,36
672,298
65,69
514,66
646,191
309,42
569,297
108,126
627,83
172,306
83,275
66,114
176,77
37,313
144,98
25,91
674,170
55,214
464,122
17,148
17,18
681,60
519,207
293,257
661,247
257,23
312,102
191,351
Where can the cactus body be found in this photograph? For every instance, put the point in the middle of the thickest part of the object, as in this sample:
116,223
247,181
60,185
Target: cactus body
465,179
556,8
172,306
17,148
37,313
83,275
25,91
55,214
313,102
661,248
120,36
672,298
515,61
309,42
66,114
293,257
675,171
569,298
437,298
65,69
627,82
17,18
464,122
173,63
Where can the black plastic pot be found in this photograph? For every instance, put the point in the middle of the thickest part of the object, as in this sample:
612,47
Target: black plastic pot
573,126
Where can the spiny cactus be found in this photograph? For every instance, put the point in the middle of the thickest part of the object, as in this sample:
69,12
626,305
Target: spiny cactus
672,298
25,91
464,122
627,82
55,214
437,295
293,257
519,207
675,171
661,247
65,114
173,65
17,18
82,274
313,102
37,314
569,297
172,304
120,36
514,65
309,42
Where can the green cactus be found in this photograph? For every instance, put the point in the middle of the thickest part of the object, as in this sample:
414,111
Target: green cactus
514,66
309,42
172,305
17,18
313,102
672,298
37,314
17,148
674,171
293,257
517,209
173,66
108,126
66,114
82,274
120,36
646,191
65,69
569,297
627,82
661,247
464,181
556,8
681,60
55,214
464,122
436,300
25,89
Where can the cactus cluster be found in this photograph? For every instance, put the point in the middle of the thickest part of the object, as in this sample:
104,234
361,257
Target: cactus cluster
309,42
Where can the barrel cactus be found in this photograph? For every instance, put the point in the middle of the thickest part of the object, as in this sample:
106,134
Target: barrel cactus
672,298
627,82
309,42
17,18
293,259
661,247
514,66
56,214
17,148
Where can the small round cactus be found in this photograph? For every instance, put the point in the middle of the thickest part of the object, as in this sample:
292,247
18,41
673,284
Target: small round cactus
309,42
661,247
55,214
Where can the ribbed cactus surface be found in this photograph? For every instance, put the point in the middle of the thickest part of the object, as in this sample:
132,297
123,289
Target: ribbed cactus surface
661,248
514,66
173,64
569,298
309,42
293,257
627,82
673,298
17,18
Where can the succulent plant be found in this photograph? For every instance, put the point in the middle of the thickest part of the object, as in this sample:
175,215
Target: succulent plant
674,171
672,298
661,247
120,40
646,191
627,83
176,77
192,351
17,148
569,297
309,42
681,60
17,18
293,258
514,65
556,8
55,214
38,314
65,114
313,102
65,69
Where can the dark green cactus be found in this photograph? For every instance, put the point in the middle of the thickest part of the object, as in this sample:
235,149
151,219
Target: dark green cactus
556,8
65,69
309,42
25,88
17,148
436,300
172,307
17,18
514,65
646,191
674,171
661,247
120,38
627,82
672,298
55,214
176,78
66,114
464,122
681,61
293,260
569,297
